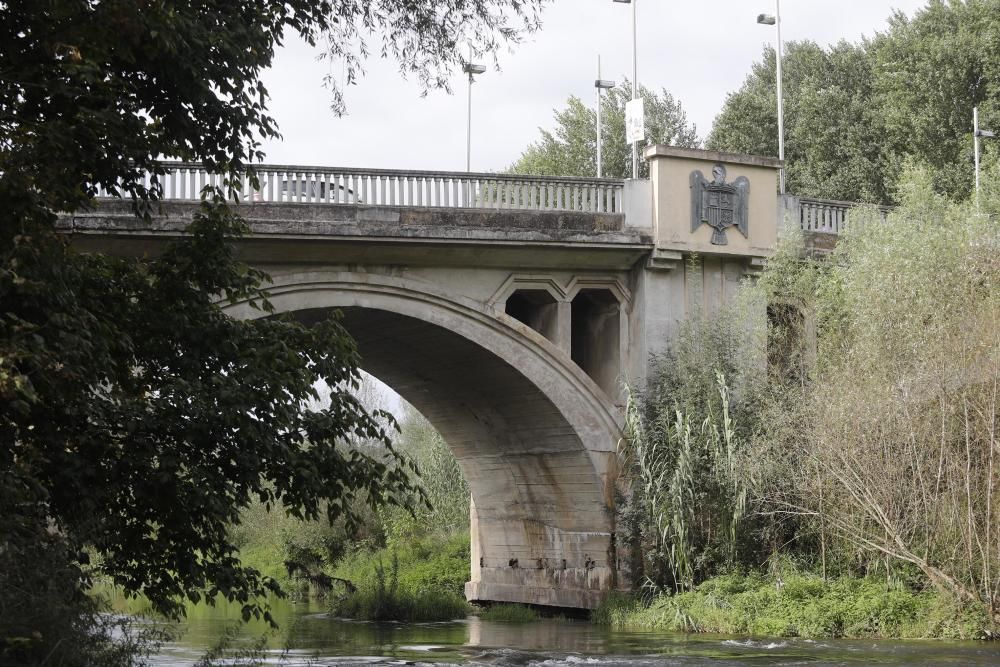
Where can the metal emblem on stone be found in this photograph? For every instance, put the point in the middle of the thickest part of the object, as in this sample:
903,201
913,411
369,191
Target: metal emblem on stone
719,204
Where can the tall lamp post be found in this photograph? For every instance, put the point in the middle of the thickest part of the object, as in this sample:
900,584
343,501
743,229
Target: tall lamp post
978,132
600,84
767,19
471,69
635,85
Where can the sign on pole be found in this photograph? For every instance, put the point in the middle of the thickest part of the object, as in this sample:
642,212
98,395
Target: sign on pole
635,121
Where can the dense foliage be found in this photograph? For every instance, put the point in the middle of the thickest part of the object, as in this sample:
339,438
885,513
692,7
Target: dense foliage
422,579
689,510
151,416
800,605
404,563
418,569
854,113
868,448
136,417
900,420
571,149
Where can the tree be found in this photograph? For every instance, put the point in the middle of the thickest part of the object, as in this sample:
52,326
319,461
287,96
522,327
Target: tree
854,113
135,416
571,150
833,141
931,71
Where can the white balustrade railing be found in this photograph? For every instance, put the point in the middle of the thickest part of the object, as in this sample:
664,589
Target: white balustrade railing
389,187
823,215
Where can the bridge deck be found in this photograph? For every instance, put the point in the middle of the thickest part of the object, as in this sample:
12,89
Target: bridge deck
396,234
411,190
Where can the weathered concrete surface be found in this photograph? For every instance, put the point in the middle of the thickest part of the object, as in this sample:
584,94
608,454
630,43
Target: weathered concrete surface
511,331
819,243
390,236
535,436
397,222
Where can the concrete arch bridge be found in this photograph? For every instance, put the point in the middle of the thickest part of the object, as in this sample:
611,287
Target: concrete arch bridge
508,310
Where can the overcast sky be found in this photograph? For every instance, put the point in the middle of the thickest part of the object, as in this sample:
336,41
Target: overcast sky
699,51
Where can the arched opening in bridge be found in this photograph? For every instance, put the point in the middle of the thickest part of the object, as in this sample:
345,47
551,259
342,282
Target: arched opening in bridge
540,524
537,308
596,336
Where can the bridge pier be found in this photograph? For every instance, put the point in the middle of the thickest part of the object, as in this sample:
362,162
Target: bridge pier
560,558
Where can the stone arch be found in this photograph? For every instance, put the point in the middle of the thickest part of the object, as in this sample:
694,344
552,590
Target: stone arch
534,435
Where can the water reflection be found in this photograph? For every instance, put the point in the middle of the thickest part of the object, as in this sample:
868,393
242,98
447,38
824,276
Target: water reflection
308,636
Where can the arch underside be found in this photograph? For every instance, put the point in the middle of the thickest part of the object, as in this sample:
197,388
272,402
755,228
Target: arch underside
534,435
541,521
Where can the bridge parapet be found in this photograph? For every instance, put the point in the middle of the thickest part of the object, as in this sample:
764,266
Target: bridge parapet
393,187
826,216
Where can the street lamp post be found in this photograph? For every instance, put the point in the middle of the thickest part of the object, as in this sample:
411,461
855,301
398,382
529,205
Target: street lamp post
600,84
471,69
635,84
978,132
767,19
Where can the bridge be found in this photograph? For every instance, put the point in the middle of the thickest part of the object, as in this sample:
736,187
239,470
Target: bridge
508,310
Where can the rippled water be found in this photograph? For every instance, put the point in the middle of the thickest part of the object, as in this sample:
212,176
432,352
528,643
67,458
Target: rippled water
308,636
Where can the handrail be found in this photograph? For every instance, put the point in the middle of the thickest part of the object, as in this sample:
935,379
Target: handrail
395,187
828,215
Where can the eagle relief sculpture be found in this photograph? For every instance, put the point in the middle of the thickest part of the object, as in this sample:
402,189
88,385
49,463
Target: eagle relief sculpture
719,204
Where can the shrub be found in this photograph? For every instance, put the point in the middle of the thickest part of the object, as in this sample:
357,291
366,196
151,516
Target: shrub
614,609
896,431
802,605
422,580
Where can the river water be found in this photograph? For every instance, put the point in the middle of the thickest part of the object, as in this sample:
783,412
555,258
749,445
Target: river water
308,636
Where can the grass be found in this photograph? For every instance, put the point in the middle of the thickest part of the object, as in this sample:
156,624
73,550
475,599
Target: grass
802,606
509,613
269,559
423,580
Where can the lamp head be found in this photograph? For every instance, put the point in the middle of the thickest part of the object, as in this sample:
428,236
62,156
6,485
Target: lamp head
766,19
604,84
471,68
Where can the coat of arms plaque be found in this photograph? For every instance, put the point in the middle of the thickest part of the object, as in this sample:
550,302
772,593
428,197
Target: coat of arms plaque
719,204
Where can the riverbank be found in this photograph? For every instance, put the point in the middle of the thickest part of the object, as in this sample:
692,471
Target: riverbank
800,605
421,580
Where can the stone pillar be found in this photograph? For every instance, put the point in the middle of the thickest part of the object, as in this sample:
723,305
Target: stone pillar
690,189
564,326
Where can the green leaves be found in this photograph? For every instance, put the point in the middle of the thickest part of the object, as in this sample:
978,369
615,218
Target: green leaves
833,143
137,416
854,113
571,150
146,417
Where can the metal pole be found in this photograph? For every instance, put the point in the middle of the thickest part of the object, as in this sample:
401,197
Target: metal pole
781,108
975,146
599,118
468,129
635,90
